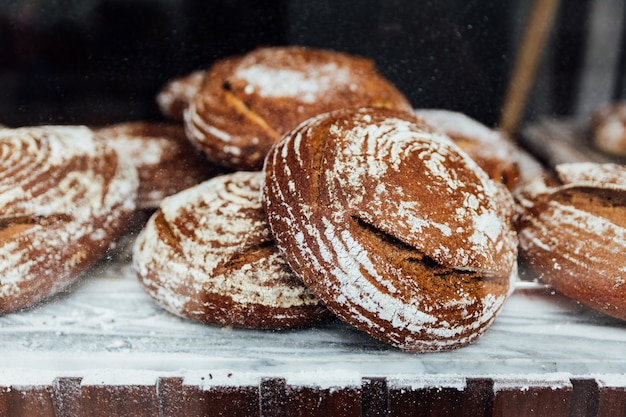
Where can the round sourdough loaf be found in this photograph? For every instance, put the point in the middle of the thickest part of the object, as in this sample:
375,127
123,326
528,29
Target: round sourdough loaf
208,255
392,226
246,103
572,232
64,199
164,158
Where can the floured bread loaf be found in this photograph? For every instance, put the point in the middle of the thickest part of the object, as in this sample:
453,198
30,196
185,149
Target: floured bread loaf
208,255
573,233
165,160
247,103
492,150
176,94
392,226
607,127
64,199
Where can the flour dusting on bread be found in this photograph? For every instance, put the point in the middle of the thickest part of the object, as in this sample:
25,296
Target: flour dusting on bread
396,229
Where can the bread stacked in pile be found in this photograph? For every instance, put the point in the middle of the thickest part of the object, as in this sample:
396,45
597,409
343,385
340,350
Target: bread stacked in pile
303,186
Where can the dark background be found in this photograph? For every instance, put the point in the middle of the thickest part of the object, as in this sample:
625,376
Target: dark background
103,61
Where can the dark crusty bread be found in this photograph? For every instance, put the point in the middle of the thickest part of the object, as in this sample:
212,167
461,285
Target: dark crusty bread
247,103
165,159
64,199
208,255
392,226
573,233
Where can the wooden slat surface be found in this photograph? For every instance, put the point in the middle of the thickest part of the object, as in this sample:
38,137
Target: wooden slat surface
67,393
318,402
274,397
521,398
584,400
432,401
612,401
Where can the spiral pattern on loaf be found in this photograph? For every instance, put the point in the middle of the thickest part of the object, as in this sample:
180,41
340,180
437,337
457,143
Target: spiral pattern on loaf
492,150
394,228
64,198
572,233
208,255
246,103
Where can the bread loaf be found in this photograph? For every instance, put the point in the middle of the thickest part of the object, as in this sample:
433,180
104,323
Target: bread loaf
64,200
572,233
246,103
392,226
208,255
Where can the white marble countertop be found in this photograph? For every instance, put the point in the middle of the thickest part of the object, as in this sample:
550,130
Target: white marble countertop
106,325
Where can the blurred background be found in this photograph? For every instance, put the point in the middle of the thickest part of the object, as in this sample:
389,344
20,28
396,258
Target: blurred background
104,61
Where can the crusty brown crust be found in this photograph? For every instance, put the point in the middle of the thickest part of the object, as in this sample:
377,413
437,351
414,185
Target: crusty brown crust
64,199
573,234
607,128
164,158
176,94
394,228
492,150
208,255
247,103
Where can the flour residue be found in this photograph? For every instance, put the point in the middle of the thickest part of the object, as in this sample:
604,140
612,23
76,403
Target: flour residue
306,85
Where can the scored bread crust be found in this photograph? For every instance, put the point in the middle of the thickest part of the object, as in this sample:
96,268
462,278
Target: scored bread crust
572,232
392,226
208,255
246,103
64,200
164,158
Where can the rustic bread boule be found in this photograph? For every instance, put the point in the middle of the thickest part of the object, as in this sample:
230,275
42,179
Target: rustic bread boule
64,200
392,226
572,233
208,255
246,103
